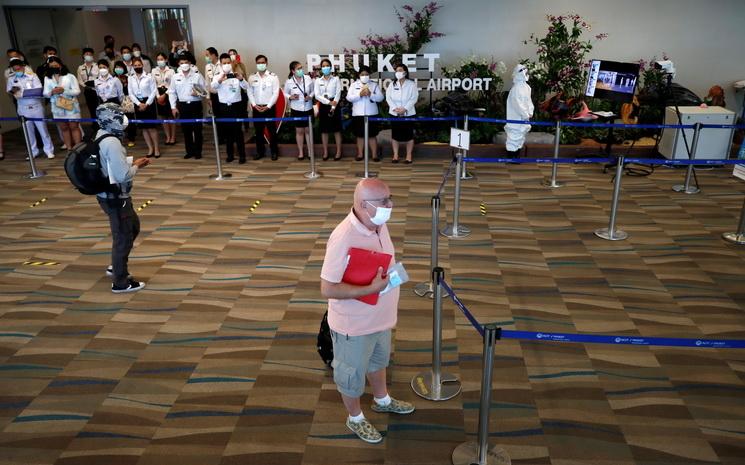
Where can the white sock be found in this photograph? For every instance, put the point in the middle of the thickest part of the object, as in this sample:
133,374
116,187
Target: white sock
358,418
384,401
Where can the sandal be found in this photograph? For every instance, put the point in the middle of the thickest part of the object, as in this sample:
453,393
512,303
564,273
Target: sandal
394,160
337,157
325,157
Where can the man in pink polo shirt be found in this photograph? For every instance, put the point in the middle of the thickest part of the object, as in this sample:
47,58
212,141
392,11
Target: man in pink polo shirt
361,333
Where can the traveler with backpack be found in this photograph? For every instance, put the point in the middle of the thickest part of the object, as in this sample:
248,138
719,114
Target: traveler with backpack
116,202
361,331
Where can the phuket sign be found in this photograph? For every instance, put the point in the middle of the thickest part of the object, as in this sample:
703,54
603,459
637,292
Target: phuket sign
385,63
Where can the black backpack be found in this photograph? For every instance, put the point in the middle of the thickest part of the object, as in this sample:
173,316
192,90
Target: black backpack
325,345
83,167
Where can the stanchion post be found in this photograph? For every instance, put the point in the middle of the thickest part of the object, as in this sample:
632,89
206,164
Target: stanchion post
434,384
220,175
312,174
611,233
427,288
367,173
481,452
465,174
552,182
739,236
456,230
35,173
686,187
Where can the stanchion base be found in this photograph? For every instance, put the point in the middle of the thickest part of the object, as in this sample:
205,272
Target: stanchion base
370,174
425,289
450,232
39,174
313,174
467,175
616,235
224,176
449,386
734,238
682,188
468,454
547,182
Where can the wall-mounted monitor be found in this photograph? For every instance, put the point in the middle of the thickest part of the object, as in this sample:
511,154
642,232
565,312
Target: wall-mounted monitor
612,80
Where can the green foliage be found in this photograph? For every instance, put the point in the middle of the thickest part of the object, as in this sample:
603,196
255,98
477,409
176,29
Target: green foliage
561,65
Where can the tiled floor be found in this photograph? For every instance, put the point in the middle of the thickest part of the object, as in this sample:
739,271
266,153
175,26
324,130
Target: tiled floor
215,362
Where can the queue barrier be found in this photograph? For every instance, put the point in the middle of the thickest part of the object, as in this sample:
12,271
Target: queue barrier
435,385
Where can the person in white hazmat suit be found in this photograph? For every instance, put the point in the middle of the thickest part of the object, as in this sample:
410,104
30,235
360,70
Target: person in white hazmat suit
519,107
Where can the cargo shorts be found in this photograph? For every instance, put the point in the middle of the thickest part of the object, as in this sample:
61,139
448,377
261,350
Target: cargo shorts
355,356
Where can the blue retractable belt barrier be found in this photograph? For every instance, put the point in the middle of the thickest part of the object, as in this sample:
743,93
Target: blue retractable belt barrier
643,161
413,118
598,338
539,160
260,120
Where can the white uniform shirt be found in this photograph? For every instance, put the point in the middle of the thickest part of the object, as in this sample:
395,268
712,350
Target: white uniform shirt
229,90
182,87
30,107
109,87
302,88
327,90
402,95
87,72
162,76
9,72
263,90
142,89
367,105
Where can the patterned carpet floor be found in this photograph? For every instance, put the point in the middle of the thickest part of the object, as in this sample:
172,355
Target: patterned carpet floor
214,363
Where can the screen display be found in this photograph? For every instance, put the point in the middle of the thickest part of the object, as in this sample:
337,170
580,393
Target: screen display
612,80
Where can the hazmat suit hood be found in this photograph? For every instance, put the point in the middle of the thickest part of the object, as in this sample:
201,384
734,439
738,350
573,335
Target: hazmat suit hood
520,73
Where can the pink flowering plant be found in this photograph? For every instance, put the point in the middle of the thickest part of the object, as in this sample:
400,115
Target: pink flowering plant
417,25
562,56
652,80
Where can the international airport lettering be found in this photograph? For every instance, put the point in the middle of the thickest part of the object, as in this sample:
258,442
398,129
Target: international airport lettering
385,64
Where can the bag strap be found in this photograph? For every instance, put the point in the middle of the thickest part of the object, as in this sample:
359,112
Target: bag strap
97,140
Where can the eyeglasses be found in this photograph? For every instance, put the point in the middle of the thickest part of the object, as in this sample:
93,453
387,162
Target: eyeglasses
385,202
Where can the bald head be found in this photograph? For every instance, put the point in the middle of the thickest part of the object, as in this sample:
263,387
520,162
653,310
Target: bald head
369,189
366,190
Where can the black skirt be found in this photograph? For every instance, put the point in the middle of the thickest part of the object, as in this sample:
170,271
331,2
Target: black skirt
147,113
358,126
300,114
164,110
402,131
329,123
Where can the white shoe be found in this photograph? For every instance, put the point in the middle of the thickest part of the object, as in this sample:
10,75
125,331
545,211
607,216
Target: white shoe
50,155
35,156
63,147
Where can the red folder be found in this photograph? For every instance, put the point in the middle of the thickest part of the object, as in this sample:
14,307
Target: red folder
363,267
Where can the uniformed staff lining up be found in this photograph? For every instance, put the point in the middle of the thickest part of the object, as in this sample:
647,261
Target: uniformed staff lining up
174,87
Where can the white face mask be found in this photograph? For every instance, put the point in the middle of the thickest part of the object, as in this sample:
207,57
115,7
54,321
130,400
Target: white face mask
227,68
382,215
137,53
184,67
232,57
365,79
103,72
400,75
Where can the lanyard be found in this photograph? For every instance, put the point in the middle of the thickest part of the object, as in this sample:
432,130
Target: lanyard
327,85
305,94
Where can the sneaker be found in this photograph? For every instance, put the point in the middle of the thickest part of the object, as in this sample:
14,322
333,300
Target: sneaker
132,286
130,144
396,406
63,147
365,431
50,155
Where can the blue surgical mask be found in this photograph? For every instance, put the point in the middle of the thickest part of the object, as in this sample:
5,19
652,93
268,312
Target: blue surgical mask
127,56
299,73
19,74
261,67
326,70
